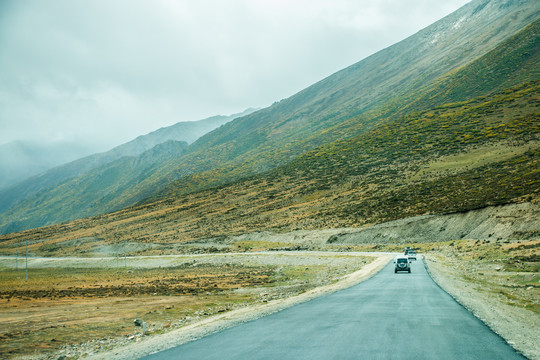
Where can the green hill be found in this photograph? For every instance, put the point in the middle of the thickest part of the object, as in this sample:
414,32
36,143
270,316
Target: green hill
445,63
453,157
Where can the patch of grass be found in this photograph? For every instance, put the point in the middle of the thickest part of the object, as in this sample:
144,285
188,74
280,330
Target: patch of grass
473,158
66,283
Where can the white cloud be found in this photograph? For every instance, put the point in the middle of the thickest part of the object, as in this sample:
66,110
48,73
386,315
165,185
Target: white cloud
104,72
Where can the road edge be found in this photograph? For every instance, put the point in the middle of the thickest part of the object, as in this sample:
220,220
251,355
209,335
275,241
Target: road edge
220,322
479,305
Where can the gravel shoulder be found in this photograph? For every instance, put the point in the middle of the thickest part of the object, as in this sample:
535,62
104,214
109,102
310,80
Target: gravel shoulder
220,322
518,326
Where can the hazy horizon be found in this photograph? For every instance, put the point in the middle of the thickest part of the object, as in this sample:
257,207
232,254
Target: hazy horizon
100,74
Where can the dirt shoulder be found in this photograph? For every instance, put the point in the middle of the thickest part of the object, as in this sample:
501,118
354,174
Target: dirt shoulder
514,323
148,345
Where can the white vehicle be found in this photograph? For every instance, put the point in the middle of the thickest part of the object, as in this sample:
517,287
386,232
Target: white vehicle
402,263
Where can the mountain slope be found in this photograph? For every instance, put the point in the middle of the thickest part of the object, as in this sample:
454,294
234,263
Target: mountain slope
351,101
514,61
182,131
382,88
457,157
101,183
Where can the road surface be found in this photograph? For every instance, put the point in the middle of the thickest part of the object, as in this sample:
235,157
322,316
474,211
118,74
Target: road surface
390,316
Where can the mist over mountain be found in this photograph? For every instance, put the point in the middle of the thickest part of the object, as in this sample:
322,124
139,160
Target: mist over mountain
432,77
22,159
188,132
185,132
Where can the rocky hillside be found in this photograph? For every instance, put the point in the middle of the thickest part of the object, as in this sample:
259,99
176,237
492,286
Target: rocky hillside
361,145
452,158
497,223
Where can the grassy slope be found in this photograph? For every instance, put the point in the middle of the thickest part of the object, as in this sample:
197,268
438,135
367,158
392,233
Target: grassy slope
515,61
348,103
432,161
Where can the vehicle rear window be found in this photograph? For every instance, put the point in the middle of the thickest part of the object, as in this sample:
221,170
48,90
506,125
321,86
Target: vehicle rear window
401,261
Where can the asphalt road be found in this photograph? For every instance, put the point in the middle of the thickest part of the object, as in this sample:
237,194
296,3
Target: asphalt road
390,316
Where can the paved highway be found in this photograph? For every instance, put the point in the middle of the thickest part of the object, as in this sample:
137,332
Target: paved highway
390,316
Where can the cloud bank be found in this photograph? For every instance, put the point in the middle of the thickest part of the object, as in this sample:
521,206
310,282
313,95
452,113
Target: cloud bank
103,72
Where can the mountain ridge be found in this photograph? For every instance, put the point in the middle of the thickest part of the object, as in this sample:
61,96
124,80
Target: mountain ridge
182,131
339,107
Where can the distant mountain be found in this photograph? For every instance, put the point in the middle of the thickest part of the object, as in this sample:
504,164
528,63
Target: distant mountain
412,77
102,182
183,131
20,160
454,156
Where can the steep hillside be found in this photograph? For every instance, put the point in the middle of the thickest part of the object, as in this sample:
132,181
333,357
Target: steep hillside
349,102
405,79
514,61
353,100
450,159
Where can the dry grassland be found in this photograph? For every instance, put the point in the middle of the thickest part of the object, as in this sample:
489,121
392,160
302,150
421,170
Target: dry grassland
76,309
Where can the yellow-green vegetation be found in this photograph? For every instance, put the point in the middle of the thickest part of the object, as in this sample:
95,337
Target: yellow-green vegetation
63,306
476,157
54,283
429,162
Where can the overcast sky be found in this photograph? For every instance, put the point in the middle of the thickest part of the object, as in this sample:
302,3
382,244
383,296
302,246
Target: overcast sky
102,72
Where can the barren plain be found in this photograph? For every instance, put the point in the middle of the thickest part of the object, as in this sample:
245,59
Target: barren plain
79,307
